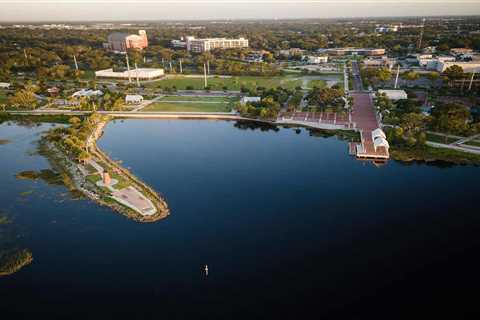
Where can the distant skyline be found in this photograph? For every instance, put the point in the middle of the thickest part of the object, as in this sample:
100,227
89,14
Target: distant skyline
129,10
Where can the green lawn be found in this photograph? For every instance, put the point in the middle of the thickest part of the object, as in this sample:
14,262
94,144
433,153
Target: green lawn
196,99
317,83
440,139
94,178
233,83
3,97
122,183
475,143
290,81
188,107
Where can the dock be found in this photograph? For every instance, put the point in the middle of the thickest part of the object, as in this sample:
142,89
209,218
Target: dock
373,144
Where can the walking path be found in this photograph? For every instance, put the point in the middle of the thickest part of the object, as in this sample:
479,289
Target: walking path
467,139
463,148
128,196
365,120
147,102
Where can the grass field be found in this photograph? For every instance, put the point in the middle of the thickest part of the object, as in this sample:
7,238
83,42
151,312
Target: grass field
316,83
3,97
188,107
475,143
236,82
439,139
197,99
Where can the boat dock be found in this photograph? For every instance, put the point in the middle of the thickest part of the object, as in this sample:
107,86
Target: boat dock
373,143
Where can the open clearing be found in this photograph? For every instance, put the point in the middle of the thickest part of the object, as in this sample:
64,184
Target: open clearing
195,99
3,97
188,107
250,82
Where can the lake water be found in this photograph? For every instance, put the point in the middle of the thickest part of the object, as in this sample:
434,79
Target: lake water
290,226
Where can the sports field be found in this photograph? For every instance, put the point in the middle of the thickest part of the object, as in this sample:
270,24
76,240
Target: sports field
188,107
237,82
192,104
195,99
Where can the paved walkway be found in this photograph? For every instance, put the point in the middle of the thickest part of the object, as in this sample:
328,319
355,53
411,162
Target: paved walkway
365,120
128,196
462,148
146,103
464,140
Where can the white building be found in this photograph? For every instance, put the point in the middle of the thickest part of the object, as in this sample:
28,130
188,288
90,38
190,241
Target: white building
207,44
468,67
87,93
386,29
133,99
178,43
382,61
461,51
316,59
423,59
434,63
394,94
140,73
246,100
290,52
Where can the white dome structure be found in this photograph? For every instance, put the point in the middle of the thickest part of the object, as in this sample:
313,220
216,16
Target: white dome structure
380,142
378,133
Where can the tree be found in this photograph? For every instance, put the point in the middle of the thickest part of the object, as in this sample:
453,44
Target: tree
433,76
384,104
83,156
24,99
454,72
74,121
451,118
410,75
384,74
412,123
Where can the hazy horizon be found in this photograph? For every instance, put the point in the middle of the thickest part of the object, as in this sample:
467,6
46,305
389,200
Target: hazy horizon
158,10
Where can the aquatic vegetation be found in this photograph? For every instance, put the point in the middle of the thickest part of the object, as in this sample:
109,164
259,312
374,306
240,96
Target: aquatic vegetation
13,260
4,219
46,175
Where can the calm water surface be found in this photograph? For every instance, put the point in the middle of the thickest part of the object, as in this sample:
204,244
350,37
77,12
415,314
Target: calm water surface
289,225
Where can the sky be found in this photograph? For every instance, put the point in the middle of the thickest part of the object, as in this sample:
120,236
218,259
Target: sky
160,10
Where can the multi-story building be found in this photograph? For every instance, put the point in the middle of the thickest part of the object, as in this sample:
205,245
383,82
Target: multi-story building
434,63
315,59
467,67
207,44
382,61
386,29
291,52
120,42
354,51
461,51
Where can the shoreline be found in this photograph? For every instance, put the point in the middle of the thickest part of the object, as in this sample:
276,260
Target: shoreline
399,153
77,178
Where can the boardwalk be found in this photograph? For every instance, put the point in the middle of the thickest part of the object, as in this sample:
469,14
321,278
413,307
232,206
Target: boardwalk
330,120
364,117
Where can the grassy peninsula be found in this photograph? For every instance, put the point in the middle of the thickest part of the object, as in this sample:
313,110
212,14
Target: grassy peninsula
72,151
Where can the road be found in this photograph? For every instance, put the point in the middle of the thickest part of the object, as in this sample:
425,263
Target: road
357,79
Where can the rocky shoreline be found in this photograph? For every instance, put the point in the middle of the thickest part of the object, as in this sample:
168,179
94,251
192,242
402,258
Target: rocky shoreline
76,178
